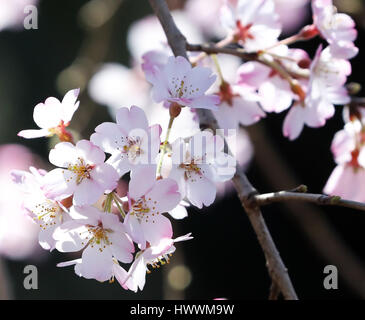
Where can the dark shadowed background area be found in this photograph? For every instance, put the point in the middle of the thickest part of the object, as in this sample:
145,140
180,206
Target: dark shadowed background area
224,259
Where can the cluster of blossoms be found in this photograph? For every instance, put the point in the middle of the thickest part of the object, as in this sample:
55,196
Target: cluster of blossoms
77,205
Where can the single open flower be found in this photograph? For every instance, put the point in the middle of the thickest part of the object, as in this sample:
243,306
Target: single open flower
148,199
178,82
337,28
83,173
53,116
131,141
103,237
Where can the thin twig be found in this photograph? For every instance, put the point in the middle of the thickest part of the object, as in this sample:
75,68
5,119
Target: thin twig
245,190
248,56
319,199
320,234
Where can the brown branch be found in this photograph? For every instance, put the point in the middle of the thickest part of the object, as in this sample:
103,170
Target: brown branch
252,56
320,234
319,199
212,49
245,190
274,292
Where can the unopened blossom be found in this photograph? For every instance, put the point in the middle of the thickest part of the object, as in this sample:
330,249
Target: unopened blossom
103,238
325,89
148,199
130,141
53,116
178,82
347,179
152,257
48,214
253,24
237,106
337,28
82,173
198,165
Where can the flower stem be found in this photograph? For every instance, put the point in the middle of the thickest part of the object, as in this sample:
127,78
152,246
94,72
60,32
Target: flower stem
108,202
163,149
117,202
218,67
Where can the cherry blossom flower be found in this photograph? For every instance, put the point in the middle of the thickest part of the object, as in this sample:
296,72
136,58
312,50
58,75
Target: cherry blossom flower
115,85
130,141
18,234
292,13
83,173
238,106
53,117
48,214
337,28
178,82
274,91
153,62
102,235
347,179
148,199
202,15
154,256
253,24
325,89
198,165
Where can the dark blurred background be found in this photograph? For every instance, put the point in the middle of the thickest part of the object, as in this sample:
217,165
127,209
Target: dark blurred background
224,259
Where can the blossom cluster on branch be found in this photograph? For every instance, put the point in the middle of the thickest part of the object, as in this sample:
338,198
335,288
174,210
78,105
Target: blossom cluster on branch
77,205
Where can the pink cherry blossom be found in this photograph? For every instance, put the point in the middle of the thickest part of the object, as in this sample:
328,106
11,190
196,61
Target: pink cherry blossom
254,24
154,256
337,28
198,165
347,147
203,14
18,234
48,214
178,82
148,199
274,91
347,182
238,106
83,173
53,117
115,85
130,141
153,62
347,178
103,238
292,14
325,89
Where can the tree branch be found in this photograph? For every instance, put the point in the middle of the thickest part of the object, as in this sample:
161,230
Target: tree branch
319,199
245,190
